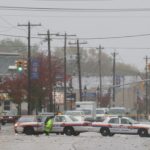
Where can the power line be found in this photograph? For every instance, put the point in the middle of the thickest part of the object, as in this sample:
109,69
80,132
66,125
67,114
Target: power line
75,0
74,9
86,38
80,16
116,37
7,22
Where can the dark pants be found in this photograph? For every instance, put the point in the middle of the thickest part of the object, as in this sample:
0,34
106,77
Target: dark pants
46,133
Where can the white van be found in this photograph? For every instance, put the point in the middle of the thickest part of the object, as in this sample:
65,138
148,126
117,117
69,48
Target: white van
89,108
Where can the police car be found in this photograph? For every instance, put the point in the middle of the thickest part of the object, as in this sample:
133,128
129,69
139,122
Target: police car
69,125
29,125
121,125
63,124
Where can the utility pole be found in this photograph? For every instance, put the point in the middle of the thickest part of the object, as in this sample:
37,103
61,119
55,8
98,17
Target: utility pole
114,78
146,87
51,108
100,74
79,65
29,63
65,67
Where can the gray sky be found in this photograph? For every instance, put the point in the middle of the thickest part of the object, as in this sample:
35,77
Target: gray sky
86,24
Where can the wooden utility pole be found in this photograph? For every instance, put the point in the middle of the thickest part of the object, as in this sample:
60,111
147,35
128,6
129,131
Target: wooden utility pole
51,107
100,74
146,87
65,67
29,63
114,78
79,66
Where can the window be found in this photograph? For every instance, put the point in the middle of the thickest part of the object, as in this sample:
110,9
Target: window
114,121
6,105
60,119
124,121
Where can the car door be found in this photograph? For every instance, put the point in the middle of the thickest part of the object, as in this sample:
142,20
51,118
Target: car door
57,125
114,125
126,126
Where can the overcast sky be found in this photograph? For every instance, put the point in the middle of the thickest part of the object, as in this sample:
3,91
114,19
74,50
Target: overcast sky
87,24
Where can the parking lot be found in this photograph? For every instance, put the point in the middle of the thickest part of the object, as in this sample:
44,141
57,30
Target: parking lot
91,141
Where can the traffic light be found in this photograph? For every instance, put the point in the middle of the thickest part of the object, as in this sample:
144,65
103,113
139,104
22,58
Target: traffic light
19,65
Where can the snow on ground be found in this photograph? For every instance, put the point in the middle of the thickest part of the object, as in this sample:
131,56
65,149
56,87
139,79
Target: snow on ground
85,141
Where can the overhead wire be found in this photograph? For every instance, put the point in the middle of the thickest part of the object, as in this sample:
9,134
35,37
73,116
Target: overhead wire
12,26
86,38
60,9
74,0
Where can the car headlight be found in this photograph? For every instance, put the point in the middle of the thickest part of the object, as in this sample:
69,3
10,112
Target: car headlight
16,125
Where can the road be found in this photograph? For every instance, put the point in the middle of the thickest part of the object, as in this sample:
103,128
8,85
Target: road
85,141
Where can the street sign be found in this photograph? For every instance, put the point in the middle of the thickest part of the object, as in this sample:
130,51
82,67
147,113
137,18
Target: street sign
34,69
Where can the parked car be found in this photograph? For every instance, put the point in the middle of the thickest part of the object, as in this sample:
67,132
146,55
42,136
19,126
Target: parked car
101,113
117,111
8,117
121,125
63,124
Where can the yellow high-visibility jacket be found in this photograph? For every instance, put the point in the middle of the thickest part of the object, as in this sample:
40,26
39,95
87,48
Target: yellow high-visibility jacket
49,125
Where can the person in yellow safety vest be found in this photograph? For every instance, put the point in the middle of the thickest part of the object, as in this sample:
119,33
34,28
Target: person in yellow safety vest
48,125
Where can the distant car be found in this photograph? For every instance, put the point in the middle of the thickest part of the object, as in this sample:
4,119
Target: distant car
76,113
63,124
8,117
117,111
121,125
101,113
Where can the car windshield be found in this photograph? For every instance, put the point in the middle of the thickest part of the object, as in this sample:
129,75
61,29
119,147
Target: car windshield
74,113
73,118
100,111
27,119
116,111
87,111
132,121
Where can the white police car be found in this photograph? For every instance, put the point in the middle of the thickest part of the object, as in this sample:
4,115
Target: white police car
121,125
63,124
69,125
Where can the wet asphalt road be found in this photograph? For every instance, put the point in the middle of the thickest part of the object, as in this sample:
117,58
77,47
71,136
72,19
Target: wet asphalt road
85,141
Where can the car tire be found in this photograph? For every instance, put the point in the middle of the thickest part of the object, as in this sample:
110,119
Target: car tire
76,133
3,123
69,131
28,131
105,131
143,133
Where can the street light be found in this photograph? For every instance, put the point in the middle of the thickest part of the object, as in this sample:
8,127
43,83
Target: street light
85,91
